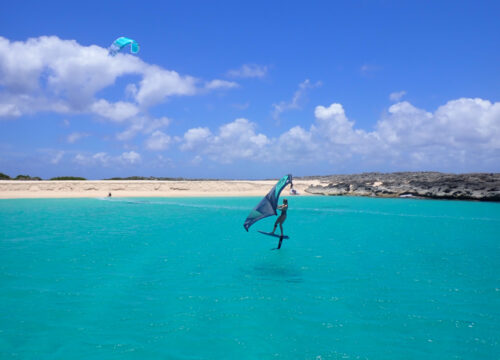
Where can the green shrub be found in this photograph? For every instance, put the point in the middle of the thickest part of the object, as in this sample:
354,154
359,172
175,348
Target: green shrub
26,177
67,178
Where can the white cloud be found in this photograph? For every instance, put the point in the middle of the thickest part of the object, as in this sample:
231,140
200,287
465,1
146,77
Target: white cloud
75,136
249,71
463,131
396,96
104,159
157,123
62,76
235,140
297,145
130,157
16,105
333,125
297,99
81,159
158,141
221,84
57,157
162,161
337,134
131,131
196,138
100,158
61,70
406,125
158,84
143,125
9,110
118,111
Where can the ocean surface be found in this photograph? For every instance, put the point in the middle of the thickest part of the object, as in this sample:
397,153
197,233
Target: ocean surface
180,278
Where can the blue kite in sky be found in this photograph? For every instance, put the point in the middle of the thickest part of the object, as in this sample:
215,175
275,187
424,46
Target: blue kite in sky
122,42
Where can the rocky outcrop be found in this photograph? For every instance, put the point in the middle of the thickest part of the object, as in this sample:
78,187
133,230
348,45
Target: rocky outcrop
474,186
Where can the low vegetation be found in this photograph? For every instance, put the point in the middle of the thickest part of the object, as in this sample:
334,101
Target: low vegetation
27,177
19,177
68,178
146,178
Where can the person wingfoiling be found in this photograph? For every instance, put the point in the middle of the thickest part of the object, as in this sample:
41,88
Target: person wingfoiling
268,206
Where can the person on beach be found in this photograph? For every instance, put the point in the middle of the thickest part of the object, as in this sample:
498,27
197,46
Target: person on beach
281,219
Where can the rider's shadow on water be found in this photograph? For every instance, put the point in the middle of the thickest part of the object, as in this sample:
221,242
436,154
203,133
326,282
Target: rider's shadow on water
278,273
272,270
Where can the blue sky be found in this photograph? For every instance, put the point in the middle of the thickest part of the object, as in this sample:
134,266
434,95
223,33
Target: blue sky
249,90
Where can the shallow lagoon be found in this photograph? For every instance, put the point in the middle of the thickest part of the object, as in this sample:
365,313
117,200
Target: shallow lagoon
359,278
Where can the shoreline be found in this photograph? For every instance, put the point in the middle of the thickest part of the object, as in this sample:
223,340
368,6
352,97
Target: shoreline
34,189
420,185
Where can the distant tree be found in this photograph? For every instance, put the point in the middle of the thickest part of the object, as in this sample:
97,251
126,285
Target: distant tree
4,177
67,178
132,178
26,177
148,178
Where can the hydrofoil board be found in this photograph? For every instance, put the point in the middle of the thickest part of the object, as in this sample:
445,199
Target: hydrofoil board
271,234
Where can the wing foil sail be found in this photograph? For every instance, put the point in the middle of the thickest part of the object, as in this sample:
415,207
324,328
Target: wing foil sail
268,205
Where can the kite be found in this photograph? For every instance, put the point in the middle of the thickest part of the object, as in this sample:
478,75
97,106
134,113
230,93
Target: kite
122,42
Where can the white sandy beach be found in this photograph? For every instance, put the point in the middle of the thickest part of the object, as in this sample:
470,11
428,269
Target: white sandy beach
10,189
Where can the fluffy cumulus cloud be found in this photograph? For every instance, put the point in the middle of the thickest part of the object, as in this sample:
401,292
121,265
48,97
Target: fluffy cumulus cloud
158,141
157,84
464,131
50,74
54,75
232,141
130,157
298,144
118,111
196,138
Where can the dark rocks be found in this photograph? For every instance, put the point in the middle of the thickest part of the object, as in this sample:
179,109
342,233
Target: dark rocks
473,186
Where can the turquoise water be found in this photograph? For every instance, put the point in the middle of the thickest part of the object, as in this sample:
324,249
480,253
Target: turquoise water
160,278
